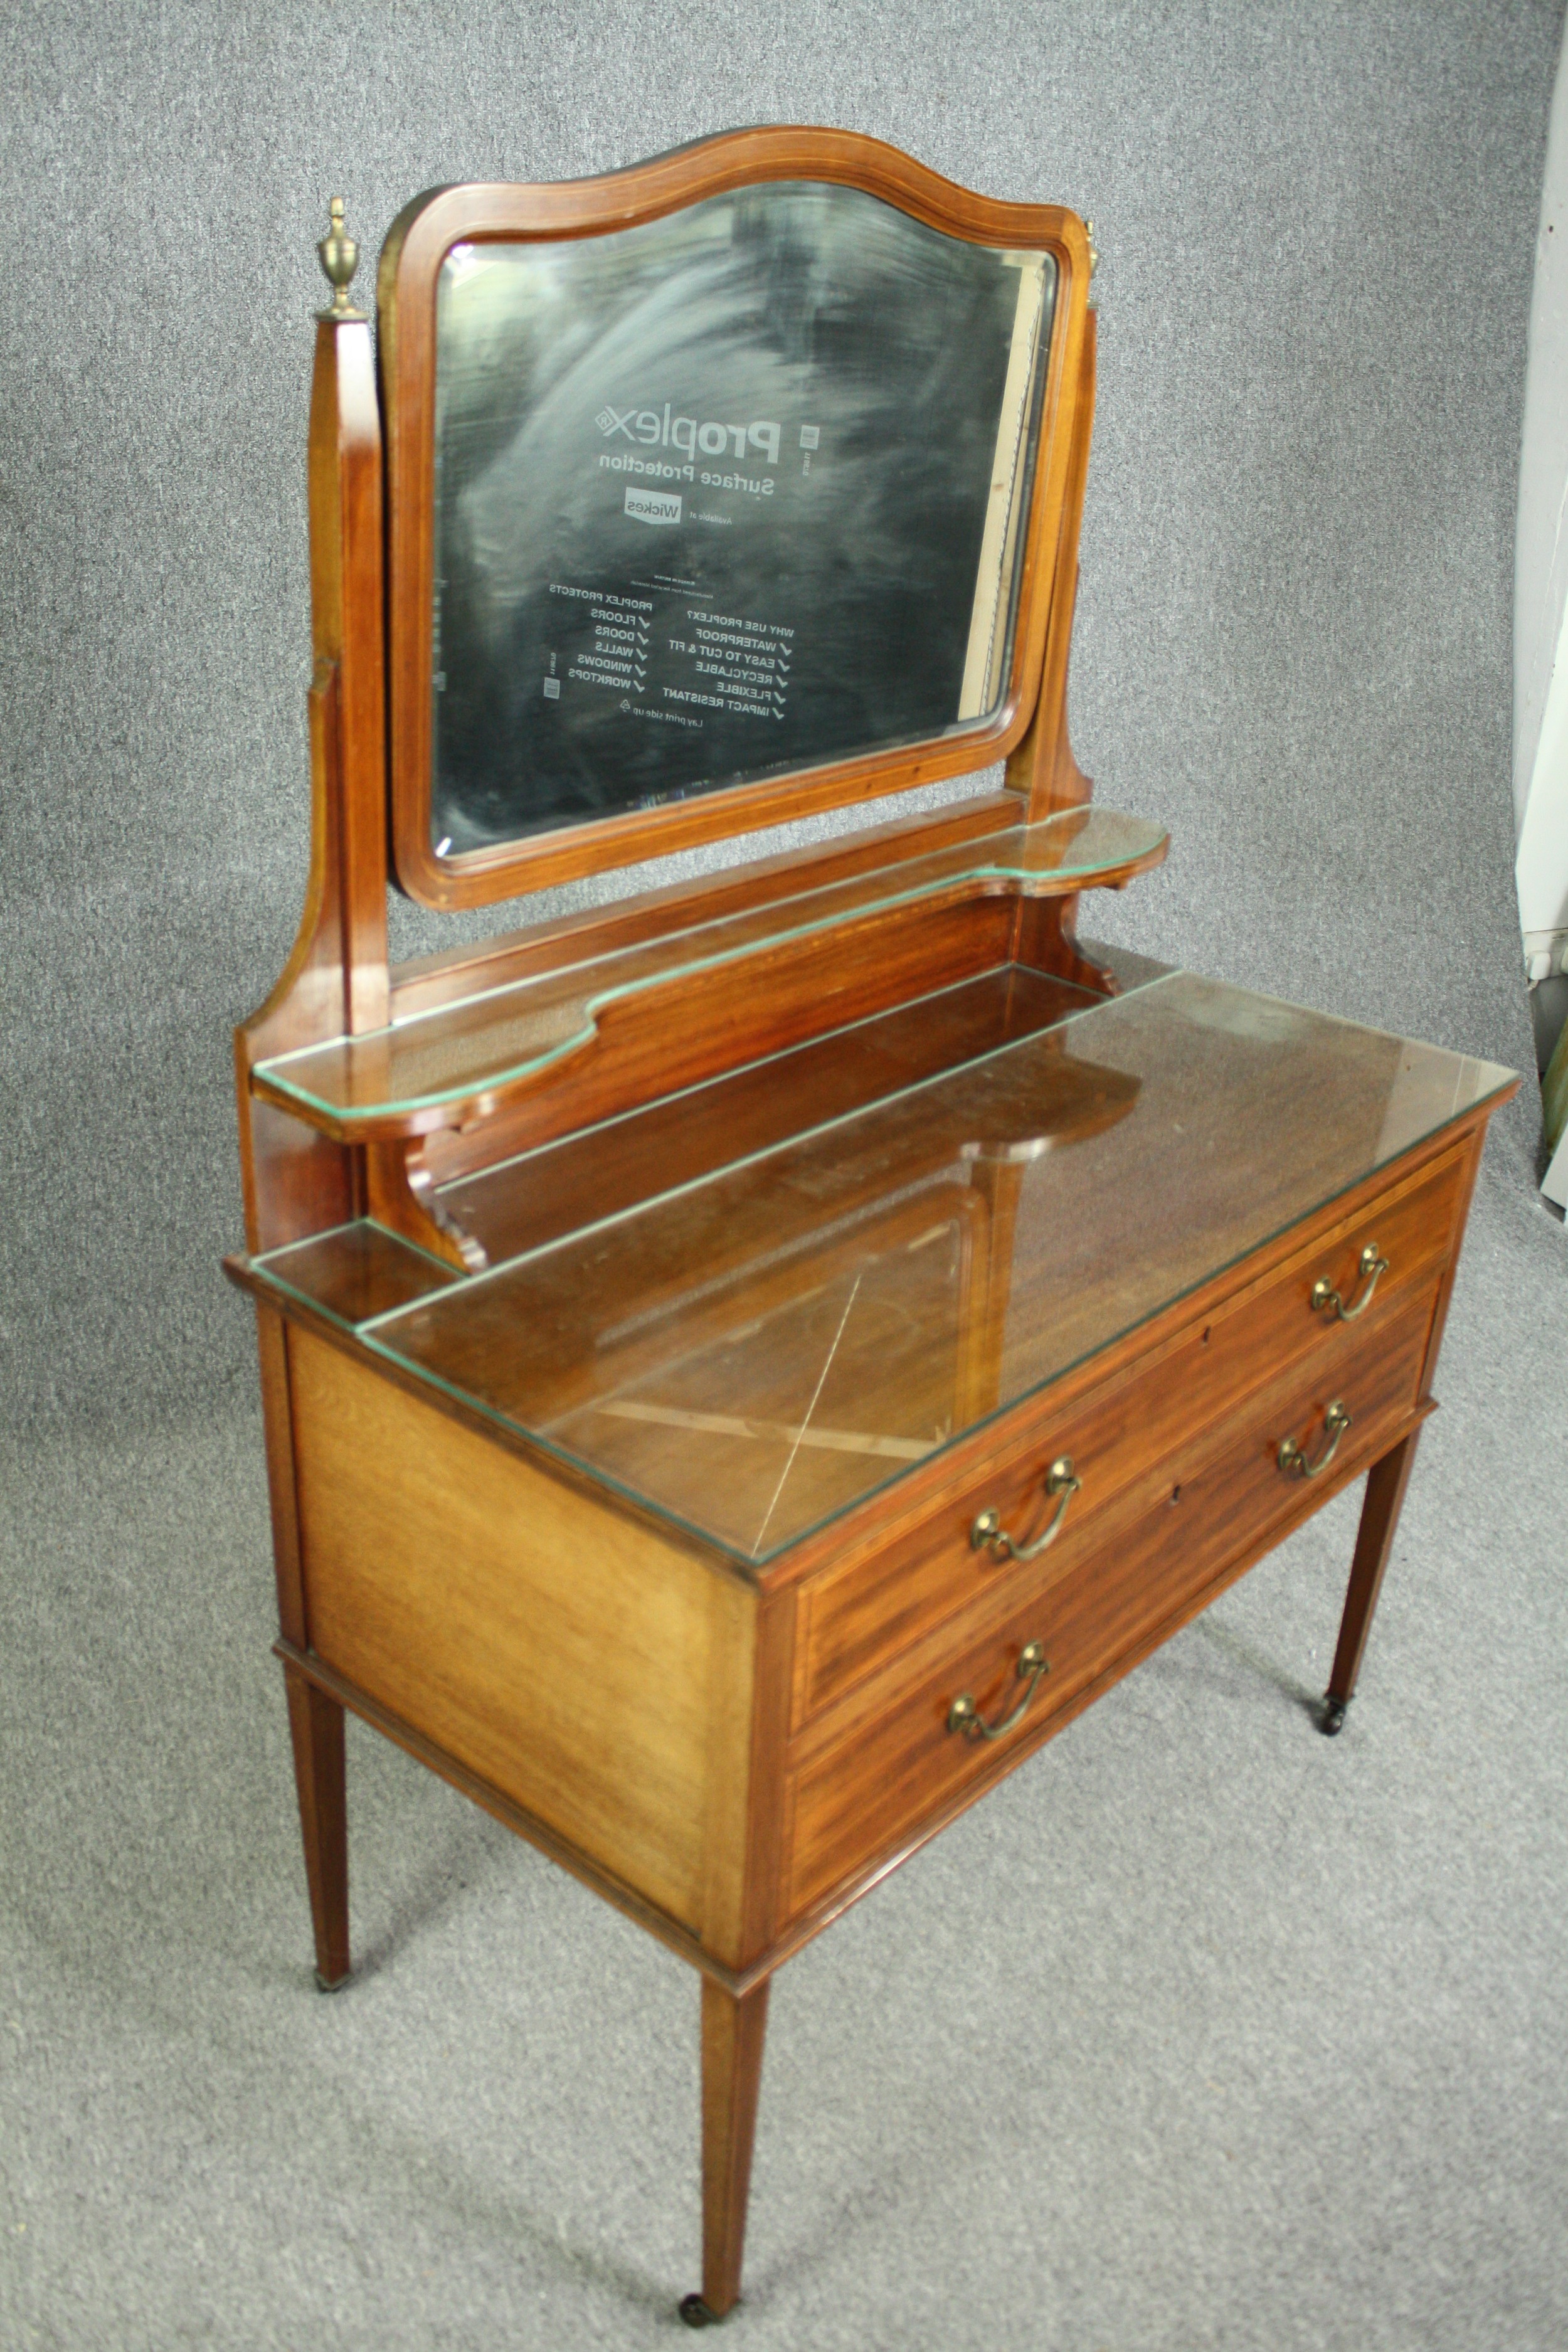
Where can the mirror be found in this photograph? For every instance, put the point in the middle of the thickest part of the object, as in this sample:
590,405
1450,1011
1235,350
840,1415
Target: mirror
737,492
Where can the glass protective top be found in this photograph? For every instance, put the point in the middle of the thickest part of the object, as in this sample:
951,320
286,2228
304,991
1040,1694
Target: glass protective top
752,1350
734,492
512,1033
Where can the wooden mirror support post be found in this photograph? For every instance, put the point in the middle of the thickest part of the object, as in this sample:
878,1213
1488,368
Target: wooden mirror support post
745,1364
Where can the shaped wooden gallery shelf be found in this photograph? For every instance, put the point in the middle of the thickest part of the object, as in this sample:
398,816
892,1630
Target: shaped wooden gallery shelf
747,1363
463,1060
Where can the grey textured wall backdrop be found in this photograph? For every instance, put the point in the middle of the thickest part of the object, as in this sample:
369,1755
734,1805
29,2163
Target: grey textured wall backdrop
1294,636
1201,2031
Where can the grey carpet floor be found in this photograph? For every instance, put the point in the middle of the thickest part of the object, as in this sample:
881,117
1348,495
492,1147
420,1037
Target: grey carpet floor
1203,2030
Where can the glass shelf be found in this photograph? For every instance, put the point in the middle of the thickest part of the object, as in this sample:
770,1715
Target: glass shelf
749,1353
426,1069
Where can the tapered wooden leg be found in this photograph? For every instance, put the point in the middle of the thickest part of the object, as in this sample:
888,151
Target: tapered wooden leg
1385,1485
733,2035
317,1724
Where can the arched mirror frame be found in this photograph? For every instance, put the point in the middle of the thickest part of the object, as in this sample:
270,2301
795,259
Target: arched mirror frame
415,249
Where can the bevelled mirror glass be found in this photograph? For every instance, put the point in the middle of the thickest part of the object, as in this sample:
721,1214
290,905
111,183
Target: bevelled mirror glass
734,492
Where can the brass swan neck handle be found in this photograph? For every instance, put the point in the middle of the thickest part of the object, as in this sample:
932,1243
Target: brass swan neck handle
988,1534
1370,1266
965,1717
1293,1458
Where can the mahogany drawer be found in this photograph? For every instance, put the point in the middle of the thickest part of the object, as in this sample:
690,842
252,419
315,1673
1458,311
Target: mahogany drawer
855,1617
887,1760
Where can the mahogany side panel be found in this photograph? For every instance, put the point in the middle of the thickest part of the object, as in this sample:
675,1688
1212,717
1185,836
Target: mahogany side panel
278,1418
1041,767
347,626
772,1685
528,1826
297,1182
336,977
591,1672
743,1702
1464,1194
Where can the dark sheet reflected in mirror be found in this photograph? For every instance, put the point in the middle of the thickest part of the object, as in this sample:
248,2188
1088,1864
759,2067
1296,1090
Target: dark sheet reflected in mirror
736,492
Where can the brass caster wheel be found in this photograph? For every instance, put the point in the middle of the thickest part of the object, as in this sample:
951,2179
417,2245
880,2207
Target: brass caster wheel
696,2313
1331,1722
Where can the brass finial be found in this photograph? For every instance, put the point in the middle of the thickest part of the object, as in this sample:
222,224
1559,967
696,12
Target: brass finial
340,260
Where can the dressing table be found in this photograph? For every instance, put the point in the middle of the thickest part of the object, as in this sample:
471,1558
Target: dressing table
747,1363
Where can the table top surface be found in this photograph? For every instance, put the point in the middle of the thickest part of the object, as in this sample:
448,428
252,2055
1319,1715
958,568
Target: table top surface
753,1349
